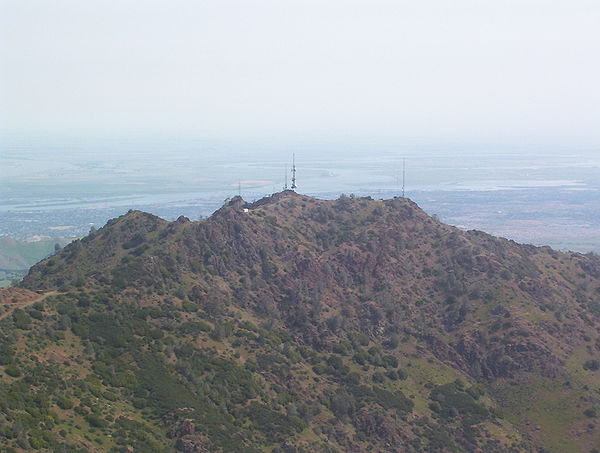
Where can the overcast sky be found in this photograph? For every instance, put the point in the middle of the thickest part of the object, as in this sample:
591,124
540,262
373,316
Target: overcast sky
472,70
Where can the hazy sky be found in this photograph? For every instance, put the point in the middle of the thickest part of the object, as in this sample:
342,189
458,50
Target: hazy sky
479,70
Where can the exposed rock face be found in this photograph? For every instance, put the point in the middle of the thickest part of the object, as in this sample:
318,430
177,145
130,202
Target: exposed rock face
182,428
374,424
479,358
193,443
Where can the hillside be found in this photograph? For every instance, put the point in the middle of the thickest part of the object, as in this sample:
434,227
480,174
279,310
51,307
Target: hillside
16,257
301,325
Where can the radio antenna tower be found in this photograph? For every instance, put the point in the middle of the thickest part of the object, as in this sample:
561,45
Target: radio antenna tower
239,188
293,186
403,176
285,184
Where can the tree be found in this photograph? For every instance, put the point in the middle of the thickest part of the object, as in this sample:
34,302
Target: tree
342,404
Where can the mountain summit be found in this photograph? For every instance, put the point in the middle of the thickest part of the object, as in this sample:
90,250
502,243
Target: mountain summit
294,324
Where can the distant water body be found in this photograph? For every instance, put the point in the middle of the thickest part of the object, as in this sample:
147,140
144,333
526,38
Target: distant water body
528,194
33,180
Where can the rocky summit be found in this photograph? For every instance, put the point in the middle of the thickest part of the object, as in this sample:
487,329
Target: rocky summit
294,324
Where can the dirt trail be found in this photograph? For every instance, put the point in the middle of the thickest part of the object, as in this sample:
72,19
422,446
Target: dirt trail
12,306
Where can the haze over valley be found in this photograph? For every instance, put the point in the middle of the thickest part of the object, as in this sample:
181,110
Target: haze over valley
531,194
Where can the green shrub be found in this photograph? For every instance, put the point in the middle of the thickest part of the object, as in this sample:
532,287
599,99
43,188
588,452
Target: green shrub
454,400
96,421
378,377
13,370
64,403
21,319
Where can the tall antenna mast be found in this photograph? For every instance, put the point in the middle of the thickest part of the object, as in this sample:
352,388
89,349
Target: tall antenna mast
403,176
285,185
239,188
293,186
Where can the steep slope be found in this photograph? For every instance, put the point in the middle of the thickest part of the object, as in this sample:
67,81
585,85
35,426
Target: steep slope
296,324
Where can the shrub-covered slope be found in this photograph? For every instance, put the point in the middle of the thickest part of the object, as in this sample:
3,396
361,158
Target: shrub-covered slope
296,324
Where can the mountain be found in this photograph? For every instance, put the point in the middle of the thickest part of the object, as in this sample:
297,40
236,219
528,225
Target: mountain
301,325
